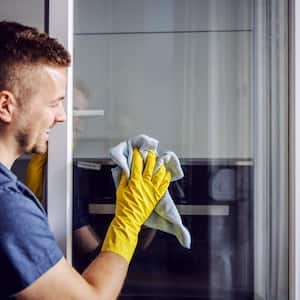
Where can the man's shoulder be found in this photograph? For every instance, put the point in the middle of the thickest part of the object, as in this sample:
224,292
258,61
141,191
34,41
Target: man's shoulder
18,208
10,194
27,246
8,185
12,191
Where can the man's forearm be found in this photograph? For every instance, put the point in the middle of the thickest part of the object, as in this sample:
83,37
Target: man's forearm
106,274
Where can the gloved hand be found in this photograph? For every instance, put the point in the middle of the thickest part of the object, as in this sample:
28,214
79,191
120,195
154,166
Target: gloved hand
35,174
136,199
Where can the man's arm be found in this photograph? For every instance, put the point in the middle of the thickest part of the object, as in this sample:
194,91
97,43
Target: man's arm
103,279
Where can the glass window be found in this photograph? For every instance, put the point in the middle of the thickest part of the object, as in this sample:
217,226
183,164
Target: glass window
208,79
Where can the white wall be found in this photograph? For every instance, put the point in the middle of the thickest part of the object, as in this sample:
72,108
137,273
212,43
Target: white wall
27,12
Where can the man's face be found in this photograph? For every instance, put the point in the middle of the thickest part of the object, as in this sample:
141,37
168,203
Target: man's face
42,110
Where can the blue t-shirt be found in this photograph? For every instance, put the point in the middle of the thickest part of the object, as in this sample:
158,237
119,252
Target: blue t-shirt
27,245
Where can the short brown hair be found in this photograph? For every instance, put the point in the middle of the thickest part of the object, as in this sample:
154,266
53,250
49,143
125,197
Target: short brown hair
23,47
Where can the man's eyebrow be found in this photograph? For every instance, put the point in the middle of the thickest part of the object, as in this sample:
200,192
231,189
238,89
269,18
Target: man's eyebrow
59,98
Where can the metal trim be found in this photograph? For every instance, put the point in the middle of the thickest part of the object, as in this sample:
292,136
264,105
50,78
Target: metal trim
184,161
185,210
88,113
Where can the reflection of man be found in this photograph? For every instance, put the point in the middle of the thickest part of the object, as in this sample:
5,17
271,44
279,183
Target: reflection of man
35,173
32,89
85,240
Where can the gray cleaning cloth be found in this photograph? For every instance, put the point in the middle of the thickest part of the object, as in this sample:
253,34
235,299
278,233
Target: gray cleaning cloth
165,216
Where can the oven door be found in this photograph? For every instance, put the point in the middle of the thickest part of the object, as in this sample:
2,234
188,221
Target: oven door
215,200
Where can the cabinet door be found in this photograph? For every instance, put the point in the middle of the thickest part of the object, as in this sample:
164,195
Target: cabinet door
208,80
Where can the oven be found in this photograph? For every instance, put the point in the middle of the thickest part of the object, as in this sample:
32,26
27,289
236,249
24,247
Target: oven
215,200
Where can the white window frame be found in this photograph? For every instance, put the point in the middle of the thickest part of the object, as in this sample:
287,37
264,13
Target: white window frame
60,158
294,116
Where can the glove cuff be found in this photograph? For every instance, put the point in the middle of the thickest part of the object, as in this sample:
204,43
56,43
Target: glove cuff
121,238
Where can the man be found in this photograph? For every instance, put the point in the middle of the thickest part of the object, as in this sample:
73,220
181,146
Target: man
32,89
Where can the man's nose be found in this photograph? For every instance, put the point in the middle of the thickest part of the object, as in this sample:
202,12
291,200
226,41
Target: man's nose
61,114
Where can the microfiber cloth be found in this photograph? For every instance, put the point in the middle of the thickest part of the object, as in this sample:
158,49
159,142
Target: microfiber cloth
165,216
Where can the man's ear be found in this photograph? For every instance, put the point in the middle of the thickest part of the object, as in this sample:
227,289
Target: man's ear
7,106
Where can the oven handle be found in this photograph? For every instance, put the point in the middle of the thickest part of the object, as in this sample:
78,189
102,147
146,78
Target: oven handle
185,210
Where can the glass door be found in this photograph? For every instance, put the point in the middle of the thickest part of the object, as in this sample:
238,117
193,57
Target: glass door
209,80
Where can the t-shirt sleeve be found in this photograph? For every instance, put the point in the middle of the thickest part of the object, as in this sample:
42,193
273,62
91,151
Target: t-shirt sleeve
27,246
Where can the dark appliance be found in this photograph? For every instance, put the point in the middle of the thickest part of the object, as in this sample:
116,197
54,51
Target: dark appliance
215,199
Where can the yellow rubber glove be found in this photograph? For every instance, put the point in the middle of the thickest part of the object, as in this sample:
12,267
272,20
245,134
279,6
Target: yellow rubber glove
136,199
35,174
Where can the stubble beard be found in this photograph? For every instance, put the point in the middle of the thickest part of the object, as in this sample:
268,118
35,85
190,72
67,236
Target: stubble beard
25,147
